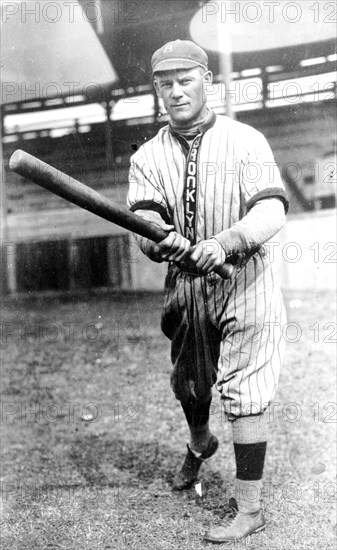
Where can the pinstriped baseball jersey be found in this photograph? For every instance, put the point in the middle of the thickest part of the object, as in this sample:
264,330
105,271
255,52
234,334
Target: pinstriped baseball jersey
235,166
221,330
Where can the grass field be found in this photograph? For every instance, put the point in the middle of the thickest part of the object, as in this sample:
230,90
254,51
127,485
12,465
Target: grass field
92,435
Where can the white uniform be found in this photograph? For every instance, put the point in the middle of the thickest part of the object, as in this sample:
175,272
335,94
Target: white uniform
224,330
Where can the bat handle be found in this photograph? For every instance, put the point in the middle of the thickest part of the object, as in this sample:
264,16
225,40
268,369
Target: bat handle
225,270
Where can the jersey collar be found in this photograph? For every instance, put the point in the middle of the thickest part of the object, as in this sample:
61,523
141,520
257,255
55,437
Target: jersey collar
201,130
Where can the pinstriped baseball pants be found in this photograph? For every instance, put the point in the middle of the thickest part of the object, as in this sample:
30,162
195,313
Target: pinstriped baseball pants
227,332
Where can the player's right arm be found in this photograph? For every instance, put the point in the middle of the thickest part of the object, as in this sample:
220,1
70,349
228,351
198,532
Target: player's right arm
173,248
146,198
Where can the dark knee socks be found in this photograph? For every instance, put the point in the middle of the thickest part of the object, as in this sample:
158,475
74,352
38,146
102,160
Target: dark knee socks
197,411
250,444
197,416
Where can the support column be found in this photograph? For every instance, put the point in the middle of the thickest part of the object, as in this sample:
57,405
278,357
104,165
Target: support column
109,148
9,265
3,215
225,62
72,259
99,19
265,89
156,119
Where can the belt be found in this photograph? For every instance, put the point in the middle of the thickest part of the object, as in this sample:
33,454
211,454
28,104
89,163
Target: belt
189,269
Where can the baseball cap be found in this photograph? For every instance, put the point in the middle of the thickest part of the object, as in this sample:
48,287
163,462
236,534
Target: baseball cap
179,54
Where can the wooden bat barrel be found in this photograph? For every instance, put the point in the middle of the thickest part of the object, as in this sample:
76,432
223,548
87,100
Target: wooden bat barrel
77,193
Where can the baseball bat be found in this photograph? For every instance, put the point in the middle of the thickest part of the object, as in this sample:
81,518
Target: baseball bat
76,192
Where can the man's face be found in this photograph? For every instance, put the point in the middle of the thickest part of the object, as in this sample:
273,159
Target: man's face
183,93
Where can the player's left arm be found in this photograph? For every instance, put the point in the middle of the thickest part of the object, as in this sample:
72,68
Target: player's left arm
265,202
262,222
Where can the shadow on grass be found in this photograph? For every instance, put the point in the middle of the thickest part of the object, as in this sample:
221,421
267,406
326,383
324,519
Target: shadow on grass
94,456
133,462
147,464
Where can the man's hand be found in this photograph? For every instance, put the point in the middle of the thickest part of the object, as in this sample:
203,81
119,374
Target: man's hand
173,248
208,255
154,217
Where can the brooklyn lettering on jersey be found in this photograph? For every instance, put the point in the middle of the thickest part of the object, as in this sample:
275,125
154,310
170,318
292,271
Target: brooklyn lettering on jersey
190,191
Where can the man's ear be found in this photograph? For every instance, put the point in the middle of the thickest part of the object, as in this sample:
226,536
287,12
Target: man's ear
156,87
208,77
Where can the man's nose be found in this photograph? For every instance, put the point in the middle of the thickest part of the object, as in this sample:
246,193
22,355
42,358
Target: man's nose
176,90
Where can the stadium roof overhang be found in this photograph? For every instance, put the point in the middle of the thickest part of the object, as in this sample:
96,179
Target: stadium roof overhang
49,53
131,31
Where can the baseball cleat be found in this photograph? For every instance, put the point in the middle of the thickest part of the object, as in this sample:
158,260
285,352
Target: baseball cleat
190,469
237,526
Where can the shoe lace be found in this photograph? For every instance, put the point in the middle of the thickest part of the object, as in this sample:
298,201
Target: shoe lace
230,518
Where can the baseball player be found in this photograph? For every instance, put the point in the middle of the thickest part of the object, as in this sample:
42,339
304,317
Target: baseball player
212,183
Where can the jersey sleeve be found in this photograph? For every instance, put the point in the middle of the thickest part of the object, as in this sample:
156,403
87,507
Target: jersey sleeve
260,179
145,191
262,222
260,176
